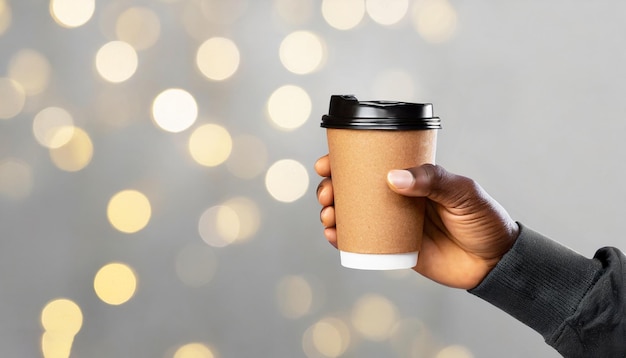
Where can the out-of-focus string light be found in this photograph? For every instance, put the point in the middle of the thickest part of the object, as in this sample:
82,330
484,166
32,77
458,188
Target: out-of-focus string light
62,316
13,98
53,127
116,61
115,283
174,110
210,145
74,155
5,16
435,20
249,216
287,180
31,69
294,296
194,350
374,317
328,337
387,12
343,14
129,211
196,264
72,13
302,52
218,58
294,12
219,226
16,178
56,345
61,319
248,158
454,351
138,26
289,107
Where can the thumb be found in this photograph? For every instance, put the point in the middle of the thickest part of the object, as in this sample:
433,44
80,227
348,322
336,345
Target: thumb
434,182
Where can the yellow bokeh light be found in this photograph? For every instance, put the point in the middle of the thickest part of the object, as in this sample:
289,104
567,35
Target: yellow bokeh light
248,158
343,14
31,69
174,110
129,211
218,58
328,337
138,26
287,180
62,316
13,98
116,61
435,20
196,264
294,296
454,352
210,145
302,52
75,154
387,12
219,226
115,283
294,12
72,13
53,127
5,16
248,214
16,178
194,350
374,316
289,107
54,345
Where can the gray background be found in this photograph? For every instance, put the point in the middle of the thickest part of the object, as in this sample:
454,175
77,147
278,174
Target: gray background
531,98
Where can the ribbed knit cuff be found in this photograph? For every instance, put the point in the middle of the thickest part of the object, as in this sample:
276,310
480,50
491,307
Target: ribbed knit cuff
539,282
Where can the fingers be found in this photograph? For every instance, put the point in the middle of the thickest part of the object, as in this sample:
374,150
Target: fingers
325,194
327,216
433,182
322,166
331,235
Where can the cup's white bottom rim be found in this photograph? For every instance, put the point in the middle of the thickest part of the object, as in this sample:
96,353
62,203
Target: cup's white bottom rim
378,261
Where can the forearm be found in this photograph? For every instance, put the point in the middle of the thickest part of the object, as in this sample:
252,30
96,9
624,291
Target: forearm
562,295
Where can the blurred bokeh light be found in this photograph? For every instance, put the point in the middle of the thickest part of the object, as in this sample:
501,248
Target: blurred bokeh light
76,153
138,26
129,211
116,61
115,283
218,58
72,13
174,110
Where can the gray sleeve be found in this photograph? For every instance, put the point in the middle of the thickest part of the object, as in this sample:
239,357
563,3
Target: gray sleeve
577,304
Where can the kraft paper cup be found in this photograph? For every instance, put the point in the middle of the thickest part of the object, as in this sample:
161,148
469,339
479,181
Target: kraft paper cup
377,229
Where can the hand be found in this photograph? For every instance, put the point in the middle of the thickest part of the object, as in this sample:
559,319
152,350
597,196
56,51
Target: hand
466,232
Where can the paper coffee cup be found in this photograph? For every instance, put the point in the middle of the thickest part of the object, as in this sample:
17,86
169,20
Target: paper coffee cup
377,229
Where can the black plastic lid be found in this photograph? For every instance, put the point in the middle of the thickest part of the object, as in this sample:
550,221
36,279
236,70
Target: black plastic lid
346,112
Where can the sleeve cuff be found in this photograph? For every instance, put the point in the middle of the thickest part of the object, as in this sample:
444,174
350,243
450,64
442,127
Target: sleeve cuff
539,282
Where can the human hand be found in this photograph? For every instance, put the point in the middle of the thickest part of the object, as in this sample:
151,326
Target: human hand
466,232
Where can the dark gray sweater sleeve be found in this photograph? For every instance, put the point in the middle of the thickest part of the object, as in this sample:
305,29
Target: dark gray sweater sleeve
577,304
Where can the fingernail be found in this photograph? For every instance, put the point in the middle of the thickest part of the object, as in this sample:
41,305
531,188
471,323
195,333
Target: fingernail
401,179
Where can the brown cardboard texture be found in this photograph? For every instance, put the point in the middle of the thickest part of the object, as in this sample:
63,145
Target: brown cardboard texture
370,217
